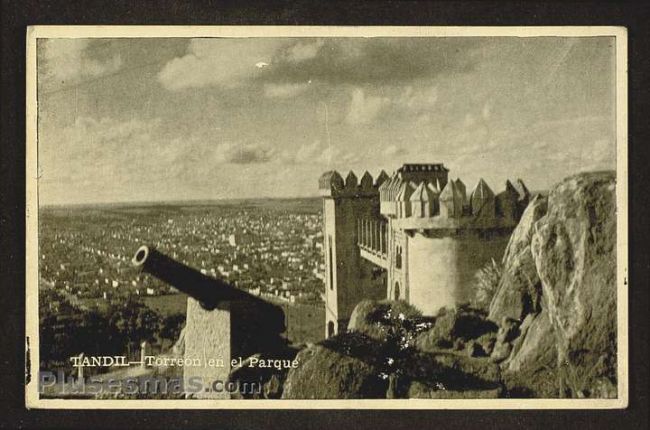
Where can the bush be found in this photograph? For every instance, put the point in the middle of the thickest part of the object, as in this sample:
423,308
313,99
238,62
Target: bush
486,282
388,321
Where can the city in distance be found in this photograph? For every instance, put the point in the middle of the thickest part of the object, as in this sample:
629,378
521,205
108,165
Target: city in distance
271,248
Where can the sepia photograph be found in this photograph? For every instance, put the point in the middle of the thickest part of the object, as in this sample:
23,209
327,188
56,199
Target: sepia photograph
327,217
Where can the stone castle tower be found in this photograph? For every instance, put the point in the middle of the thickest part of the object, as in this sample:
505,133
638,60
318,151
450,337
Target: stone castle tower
416,236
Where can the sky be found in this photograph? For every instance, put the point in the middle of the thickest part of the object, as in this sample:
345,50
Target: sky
168,119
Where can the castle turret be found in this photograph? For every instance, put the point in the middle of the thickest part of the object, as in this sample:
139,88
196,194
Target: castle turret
451,201
351,181
387,199
403,199
523,196
381,178
462,190
482,201
366,183
396,183
506,203
423,201
330,183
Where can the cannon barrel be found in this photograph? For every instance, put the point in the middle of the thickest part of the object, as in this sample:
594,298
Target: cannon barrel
208,291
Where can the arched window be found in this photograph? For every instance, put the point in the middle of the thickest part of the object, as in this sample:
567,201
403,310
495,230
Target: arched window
396,290
398,257
330,329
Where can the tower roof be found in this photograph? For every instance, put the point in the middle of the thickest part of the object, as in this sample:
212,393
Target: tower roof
351,180
482,191
405,191
522,190
381,178
385,185
396,182
422,193
460,185
449,192
434,186
510,189
330,179
366,181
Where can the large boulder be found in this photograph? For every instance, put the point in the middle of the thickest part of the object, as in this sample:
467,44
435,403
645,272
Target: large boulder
574,248
343,367
452,325
560,283
519,288
535,348
450,375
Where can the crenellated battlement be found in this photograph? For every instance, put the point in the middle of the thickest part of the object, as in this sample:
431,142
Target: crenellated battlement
332,184
433,201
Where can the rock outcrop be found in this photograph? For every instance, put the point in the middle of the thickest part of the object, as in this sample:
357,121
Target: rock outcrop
519,289
343,367
559,284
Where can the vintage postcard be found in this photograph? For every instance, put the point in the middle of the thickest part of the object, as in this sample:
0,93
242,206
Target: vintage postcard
326,217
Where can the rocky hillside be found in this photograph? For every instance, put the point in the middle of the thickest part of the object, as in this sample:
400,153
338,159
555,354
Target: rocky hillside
391,351
558,291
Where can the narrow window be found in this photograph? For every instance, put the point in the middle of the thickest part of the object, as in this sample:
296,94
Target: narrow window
330,262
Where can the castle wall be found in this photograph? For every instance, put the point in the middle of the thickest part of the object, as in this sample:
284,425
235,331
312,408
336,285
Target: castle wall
330,249
352,278
441,269
433,276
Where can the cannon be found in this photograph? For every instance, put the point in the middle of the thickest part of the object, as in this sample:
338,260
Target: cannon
230,315
208,291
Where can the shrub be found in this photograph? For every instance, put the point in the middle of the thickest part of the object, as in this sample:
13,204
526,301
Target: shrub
486,283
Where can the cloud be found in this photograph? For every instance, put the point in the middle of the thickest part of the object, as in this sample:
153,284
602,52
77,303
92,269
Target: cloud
333,155
366,104
284,90
365,108
393,151
289,64
224,62
308,153
486,111
372,60
68,61
303,51
101,151
250,153
418,100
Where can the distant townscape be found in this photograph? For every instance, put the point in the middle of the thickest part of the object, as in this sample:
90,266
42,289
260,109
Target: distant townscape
271,249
